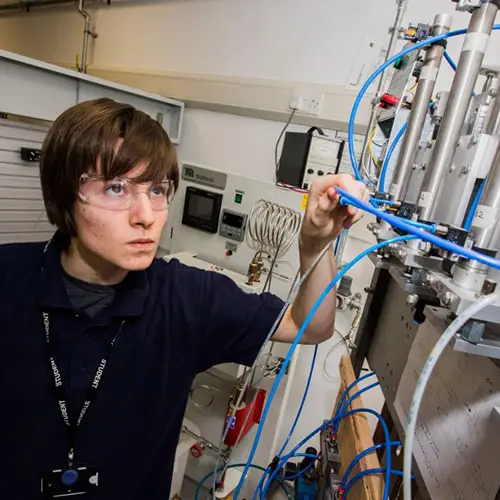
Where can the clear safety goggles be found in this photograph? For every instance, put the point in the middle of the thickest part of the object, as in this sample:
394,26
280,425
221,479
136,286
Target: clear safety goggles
121,193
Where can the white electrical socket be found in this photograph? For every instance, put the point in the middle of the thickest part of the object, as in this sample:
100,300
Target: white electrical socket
307,102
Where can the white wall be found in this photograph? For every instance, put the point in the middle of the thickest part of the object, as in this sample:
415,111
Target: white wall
296,40
233,52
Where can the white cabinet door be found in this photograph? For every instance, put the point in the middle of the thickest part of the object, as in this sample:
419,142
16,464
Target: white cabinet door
22,213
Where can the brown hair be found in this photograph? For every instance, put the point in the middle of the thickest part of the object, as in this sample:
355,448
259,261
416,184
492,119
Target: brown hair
87,134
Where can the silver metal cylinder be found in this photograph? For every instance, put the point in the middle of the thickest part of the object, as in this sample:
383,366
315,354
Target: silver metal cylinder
86,32
470,276
402,5
485,231
466,75
485,226
494,114
419,109
340,249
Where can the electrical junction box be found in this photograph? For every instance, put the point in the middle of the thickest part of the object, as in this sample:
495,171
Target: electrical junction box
308,155
233,225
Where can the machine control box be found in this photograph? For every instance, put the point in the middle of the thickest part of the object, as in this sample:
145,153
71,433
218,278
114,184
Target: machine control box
233,225
307,155
202,209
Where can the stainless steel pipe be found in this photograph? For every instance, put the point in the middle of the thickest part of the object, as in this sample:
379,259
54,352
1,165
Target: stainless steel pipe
466,75
485,230
485,225
402,5
419,109
86,34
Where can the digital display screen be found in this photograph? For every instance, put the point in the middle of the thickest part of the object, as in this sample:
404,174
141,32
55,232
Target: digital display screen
232,220
201,207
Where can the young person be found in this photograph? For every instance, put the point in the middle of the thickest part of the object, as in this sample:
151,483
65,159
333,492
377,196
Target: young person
99,341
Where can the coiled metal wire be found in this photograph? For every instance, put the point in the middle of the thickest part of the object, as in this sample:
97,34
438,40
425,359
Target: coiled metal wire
272,228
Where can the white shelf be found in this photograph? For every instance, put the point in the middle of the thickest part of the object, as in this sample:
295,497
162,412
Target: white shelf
36,89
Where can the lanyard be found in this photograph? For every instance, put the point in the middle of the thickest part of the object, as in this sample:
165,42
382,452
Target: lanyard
59,388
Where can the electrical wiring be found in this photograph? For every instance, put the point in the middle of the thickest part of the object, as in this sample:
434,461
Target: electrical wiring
473,208
302,329
413,87
370,180
423,235
423,380
287,124
388,157
253,466
360,457
376,73
364,473
450,61
370,148
319,429
292,188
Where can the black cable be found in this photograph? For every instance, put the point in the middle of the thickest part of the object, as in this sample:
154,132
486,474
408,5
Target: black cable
267,283
276,162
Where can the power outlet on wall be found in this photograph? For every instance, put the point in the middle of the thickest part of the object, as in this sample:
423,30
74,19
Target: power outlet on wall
307,102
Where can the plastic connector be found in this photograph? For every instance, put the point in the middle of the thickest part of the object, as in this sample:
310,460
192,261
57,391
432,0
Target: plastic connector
291,470
417,33
467,5
456,235
274,464
406,210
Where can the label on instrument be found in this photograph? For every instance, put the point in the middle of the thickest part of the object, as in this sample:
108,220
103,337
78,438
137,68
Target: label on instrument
304,201
485,217
394,189
476,41
429,73
425,199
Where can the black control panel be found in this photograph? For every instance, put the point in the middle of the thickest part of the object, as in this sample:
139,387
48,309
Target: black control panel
202,209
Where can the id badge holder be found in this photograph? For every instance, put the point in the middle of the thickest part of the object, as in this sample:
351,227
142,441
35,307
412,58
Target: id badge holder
69,482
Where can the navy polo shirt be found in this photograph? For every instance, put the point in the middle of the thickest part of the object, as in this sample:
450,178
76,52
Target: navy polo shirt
179,321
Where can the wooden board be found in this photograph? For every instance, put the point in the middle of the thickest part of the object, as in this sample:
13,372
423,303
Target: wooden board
354,436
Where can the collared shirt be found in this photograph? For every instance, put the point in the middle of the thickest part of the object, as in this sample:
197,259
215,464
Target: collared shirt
179,321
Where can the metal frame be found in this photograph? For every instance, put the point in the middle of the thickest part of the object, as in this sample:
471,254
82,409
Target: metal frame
386,334
385,337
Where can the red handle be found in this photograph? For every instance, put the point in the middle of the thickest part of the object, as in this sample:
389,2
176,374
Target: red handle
196,450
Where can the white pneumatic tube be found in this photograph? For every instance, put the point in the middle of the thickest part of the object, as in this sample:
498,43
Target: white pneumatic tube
431,362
